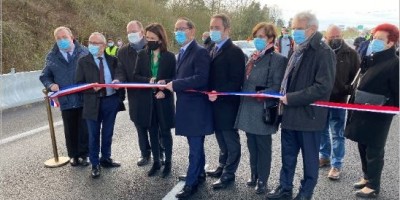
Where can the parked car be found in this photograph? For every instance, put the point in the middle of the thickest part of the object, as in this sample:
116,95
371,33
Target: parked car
247,46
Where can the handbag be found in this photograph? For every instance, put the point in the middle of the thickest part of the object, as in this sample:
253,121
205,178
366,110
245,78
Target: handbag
362,97
270,113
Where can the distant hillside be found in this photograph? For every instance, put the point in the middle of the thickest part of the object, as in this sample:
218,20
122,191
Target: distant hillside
28,24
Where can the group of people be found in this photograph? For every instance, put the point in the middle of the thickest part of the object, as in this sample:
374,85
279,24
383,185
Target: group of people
302,68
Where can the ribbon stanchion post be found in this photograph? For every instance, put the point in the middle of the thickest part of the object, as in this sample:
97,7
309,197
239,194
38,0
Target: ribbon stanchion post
56,161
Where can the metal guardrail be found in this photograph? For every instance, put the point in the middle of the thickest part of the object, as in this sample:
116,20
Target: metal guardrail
17,89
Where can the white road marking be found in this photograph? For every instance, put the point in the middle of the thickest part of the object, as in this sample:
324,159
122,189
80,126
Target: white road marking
28,133
178,187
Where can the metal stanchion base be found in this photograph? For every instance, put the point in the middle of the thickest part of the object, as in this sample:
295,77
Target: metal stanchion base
51,163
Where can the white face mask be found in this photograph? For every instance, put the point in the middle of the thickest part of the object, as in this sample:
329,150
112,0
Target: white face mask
134,37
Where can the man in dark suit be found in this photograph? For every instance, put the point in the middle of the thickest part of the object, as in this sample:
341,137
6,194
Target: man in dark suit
309,77
193,110
127,58
226,75
100,105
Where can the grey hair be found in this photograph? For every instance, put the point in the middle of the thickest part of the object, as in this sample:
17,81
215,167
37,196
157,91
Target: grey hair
101,36
307,16
58,29
333,27
135,22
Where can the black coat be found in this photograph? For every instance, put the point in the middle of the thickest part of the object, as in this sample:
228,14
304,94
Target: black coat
124,72
88,72
347,65
226,75
144,102
312,81
193,110
381,77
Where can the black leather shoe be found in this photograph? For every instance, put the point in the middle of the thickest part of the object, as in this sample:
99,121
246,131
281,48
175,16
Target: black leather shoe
261,187
167,169
301,197
108,163
156,166
84,161
280,193
202,178
371,195
223,182
74,162
252,181
215,173
143,161
186,192
95,171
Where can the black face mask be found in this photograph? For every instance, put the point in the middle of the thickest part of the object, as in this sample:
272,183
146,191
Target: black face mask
208,40
335,43
153,45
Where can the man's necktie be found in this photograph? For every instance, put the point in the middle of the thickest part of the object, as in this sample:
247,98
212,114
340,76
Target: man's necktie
69,57
101,75
214,52
180,56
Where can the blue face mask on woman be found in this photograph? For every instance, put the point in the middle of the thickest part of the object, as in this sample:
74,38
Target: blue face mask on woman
93,49
63,44
376,45
260,43
299,36
180,37
216,36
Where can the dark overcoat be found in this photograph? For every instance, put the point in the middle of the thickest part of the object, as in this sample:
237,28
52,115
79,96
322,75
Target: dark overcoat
144,105
193,110
381,77
226,75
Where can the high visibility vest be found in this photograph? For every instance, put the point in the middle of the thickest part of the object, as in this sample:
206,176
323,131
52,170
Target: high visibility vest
112,51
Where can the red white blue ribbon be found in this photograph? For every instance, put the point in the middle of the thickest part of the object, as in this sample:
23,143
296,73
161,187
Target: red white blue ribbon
326,104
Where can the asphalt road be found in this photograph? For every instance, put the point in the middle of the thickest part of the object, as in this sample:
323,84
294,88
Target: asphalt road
23,175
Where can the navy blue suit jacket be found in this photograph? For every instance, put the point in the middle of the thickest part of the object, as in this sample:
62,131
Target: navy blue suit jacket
193,110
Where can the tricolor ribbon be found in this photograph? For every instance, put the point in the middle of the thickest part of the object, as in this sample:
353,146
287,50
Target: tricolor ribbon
326,104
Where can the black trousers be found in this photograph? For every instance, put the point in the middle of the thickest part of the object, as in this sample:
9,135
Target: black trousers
76,133
260,149
372,161
143,139
230,151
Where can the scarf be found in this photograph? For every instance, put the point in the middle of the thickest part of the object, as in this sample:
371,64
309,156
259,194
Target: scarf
256,56
294,62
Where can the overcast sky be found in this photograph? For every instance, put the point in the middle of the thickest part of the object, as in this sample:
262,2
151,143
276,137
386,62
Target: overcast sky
368,13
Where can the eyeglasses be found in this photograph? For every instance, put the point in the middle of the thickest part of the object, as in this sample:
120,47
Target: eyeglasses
181,29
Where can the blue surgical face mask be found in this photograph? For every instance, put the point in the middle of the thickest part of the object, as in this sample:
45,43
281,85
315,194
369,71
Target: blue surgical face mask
63,44
134,38
376,45
216,36
299,36
110,44
93,49
260,43
180,37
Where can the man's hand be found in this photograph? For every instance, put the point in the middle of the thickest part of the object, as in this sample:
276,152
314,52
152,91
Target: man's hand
96,88
161,82
152,80
283,100
212,97
169,86
54,87
160,95
115,81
